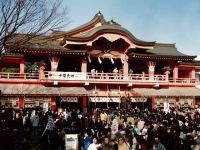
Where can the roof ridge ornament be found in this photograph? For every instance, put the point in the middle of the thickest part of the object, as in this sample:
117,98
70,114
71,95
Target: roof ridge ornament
99,13
112,22
99,16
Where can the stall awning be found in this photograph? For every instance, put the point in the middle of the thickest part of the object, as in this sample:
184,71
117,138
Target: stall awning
26,89
176,91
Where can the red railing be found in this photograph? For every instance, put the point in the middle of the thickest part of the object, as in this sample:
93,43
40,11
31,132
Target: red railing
25,76
100,77
130,77
184,81
147,78
105,76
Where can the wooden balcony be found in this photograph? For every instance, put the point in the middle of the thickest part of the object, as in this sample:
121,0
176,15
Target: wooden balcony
130,78
183,81
79,77
17,76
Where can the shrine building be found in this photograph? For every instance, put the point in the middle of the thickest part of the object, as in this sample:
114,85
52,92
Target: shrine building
99,64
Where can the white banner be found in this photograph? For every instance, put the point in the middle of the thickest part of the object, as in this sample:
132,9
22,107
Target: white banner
105,99
138,99
67,75
116,99
29,105
186,101
70,99
71,141
163,99
166,107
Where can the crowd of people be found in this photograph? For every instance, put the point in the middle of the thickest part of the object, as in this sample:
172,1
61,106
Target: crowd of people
100,129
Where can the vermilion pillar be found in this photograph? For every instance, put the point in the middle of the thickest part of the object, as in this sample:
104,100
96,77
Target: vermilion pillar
54,63
125,68
21,102
41,68
151,66
53,103
152,102
193,102
167,75
192,73
175,73
84,65
41,71
84,104
21,67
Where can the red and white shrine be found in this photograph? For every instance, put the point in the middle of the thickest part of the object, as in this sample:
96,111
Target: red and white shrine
98,64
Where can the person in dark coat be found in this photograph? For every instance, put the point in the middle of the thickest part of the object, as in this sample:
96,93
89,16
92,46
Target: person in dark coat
106,145
18,122
157,145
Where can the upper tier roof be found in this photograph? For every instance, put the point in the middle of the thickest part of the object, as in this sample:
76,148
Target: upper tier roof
88,32
107,28
97,18
98,25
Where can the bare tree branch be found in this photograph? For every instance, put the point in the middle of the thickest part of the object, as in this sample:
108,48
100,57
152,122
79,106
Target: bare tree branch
30,18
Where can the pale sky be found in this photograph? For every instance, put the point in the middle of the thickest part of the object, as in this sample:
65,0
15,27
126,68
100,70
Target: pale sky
163,21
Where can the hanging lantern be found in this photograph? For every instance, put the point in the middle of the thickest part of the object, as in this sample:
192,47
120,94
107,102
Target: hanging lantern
54,63
112,61
89,59
122,60
126,58
99,60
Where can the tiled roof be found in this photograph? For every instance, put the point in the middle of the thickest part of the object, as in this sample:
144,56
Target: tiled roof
108,28
97,18
168,50
38,43
20,41
27,89
89,30
190,91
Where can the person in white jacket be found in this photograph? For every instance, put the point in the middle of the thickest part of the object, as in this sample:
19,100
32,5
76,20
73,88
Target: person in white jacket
35,122
94,145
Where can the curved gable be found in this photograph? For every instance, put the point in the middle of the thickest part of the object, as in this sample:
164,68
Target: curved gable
111,32
96,21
